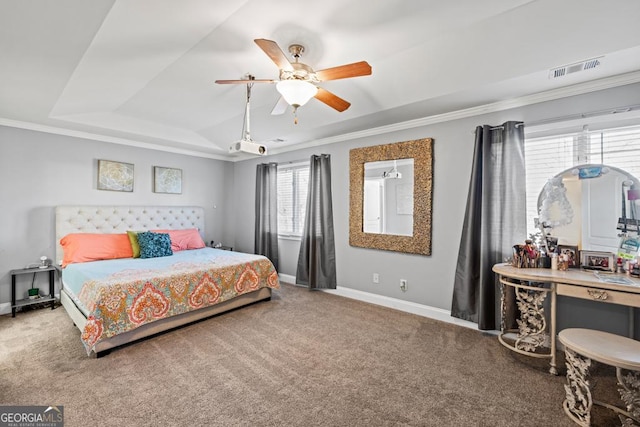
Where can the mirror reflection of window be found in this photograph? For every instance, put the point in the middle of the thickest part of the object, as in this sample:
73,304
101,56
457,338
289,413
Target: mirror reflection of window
388,197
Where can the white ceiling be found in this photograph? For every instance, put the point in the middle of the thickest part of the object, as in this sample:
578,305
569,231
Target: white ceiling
141,72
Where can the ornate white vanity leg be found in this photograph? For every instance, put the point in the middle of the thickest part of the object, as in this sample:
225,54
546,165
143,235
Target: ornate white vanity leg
630,395
532,323
531,336
552,333
503,309
578,402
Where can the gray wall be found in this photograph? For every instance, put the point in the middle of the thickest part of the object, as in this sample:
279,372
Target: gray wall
39,171
430,279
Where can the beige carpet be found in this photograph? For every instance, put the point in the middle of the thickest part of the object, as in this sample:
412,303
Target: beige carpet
302,359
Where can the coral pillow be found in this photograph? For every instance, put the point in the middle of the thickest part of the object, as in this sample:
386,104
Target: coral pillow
184,239
83,247
153,245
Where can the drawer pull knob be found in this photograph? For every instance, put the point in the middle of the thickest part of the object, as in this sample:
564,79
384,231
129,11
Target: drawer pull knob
598,294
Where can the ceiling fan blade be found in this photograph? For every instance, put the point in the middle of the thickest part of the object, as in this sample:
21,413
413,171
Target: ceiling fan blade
332,100
280,107
274,52
356,69
244,82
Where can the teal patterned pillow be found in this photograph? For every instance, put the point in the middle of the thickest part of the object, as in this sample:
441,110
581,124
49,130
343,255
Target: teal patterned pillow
154,245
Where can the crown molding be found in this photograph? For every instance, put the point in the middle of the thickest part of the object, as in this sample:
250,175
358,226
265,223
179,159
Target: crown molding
104,138
550,95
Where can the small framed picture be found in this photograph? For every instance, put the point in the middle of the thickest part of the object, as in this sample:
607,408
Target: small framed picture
572,255
115,176
167,180
552,244
594,260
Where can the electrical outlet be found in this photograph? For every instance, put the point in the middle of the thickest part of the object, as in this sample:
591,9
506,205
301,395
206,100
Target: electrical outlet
403,285
376,278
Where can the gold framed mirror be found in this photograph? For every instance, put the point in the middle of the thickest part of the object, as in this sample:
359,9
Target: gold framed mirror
421,151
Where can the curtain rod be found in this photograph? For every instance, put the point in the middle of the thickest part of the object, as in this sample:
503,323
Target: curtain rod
502,127
294,163
567,118
616,110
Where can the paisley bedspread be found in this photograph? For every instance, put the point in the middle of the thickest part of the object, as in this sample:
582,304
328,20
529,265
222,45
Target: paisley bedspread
123,294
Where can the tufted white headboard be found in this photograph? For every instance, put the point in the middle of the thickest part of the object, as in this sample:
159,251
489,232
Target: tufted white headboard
119,219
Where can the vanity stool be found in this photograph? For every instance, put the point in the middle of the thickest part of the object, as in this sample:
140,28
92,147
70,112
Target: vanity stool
584,345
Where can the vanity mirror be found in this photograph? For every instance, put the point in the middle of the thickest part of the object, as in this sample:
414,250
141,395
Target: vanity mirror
584,206
390,196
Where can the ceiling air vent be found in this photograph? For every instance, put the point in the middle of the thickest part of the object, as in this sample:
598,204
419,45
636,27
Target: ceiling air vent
574,68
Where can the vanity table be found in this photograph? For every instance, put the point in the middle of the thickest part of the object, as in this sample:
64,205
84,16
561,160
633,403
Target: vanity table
532,286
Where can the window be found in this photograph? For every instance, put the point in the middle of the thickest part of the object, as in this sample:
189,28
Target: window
548,156
293,184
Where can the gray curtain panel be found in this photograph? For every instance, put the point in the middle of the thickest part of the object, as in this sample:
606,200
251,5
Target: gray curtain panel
266,238
495,220
317,260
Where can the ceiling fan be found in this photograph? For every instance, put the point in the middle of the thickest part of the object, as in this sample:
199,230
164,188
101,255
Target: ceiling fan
297,83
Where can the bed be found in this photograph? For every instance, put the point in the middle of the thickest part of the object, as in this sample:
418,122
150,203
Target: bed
121,300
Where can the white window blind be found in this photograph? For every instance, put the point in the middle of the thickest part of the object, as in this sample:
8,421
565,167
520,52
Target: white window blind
293,184
548,156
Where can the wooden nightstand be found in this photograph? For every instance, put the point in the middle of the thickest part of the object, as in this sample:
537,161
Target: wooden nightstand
25,302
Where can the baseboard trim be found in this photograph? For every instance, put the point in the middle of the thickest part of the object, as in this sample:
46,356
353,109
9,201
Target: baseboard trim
287,278
397,304
5,308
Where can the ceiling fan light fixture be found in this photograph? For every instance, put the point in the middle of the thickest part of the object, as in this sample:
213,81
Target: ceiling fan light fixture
296,92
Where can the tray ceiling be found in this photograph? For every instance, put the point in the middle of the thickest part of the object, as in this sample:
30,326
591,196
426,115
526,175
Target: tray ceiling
141,72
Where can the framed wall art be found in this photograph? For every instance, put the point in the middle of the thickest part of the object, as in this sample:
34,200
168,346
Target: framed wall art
115,176
167,180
